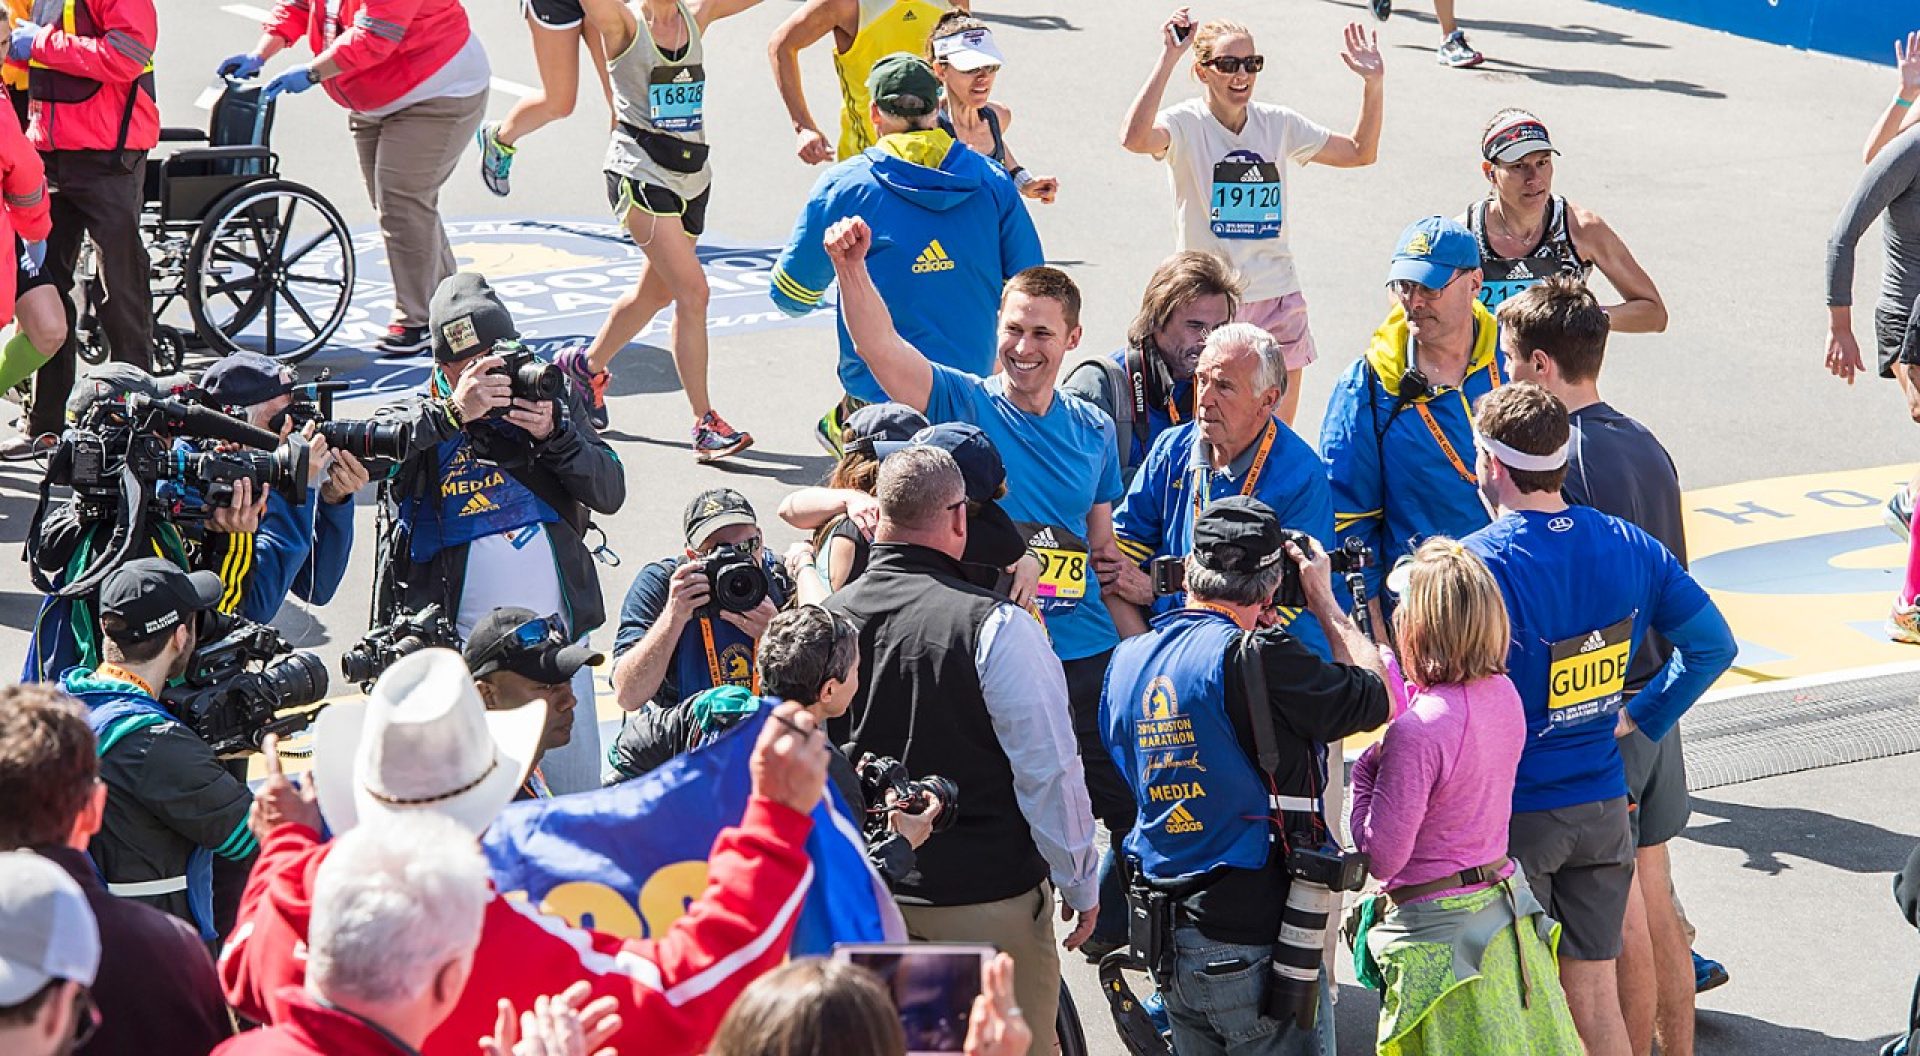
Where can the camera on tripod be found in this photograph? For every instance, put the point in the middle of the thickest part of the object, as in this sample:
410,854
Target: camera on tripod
533,379
364,440
881,774
239,681
405,635
737,580
1316,874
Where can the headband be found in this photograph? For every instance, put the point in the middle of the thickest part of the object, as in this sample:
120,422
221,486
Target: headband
1547,463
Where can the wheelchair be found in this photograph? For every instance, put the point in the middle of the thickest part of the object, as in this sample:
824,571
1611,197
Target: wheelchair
256,262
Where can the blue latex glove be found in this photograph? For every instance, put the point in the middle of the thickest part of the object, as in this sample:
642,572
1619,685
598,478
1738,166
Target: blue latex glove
36,254
20,47
240,67
296,80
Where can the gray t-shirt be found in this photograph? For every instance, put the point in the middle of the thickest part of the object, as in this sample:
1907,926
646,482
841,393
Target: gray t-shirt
662,96
1616,466
1891,185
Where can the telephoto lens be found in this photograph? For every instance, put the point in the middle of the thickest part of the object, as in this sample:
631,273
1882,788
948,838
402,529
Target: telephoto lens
369,440
297,681
1316,874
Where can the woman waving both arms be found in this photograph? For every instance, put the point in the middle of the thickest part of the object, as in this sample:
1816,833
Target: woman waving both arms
1225,155
967,60
658,182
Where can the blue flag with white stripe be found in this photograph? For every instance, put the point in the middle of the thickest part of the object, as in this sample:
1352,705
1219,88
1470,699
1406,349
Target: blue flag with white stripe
628,860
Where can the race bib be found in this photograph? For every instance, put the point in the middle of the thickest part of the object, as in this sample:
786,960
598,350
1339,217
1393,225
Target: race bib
674,97
1246,200
1063,566
1505,278
1587,679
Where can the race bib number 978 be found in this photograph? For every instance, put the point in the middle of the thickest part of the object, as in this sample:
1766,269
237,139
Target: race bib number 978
1587,679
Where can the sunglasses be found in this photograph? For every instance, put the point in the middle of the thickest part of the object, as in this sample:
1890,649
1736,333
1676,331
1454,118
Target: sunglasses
528,637
1234,63
86,1018
1406,289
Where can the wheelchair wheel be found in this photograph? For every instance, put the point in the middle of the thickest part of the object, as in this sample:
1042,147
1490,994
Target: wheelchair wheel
1066,1025
271,269
88,340
169,349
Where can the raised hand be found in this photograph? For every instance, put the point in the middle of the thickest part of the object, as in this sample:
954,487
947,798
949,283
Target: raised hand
1361,52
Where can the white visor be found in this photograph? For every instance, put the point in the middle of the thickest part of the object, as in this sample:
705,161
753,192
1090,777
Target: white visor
971,50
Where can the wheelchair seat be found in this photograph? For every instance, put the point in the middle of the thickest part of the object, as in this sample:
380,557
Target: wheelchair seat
187,181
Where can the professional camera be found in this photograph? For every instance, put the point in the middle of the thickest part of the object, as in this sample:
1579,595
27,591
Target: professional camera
1293,993
882,774
239,680
405,635
1352,556
214,473
737,580
533,378
367,441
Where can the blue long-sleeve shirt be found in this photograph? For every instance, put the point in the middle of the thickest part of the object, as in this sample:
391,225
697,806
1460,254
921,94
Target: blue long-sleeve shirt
1582,589
298,550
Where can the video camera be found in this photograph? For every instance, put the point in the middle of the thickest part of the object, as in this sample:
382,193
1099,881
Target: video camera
364,440
240,680
404,635
736,578
881,774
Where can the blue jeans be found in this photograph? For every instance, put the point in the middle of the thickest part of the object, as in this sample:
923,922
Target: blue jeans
1217,1012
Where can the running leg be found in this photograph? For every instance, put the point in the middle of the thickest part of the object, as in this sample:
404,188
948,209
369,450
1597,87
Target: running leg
556,53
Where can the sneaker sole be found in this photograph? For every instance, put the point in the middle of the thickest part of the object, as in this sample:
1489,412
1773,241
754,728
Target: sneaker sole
746,441
498,187
1714,980
1468,65
1894,524
396,353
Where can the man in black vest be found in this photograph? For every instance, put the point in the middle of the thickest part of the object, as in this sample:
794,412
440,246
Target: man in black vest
956,681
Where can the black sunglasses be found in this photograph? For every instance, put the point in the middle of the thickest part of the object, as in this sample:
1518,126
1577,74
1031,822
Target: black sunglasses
1234,63
86,1018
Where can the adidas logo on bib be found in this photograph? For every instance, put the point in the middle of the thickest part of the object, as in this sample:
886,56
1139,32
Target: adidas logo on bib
933,258
1179,820
1252,176
1594,641
683,77
478,504
1044,540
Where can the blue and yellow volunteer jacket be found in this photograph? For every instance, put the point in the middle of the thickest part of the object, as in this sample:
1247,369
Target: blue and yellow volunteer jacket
949,230
1395,483
299,550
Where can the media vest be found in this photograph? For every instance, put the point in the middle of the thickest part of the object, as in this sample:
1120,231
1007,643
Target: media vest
1203,804
920,701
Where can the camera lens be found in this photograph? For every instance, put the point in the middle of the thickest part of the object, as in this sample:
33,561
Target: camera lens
296,681
388,440
739,587
535,380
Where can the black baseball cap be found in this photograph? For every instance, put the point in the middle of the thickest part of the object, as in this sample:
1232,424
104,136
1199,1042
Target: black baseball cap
246,378
979,460
517,640
466,318
1237,534
150,596
881,422
713,510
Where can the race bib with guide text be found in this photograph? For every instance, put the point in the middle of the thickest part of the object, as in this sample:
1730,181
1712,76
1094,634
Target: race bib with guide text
1587,678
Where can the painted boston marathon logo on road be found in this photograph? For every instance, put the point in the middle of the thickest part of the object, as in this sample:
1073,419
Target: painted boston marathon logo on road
559,279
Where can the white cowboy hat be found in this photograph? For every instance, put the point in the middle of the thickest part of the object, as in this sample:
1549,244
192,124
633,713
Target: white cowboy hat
423,740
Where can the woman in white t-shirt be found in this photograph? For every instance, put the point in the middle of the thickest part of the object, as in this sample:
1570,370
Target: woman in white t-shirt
1225,155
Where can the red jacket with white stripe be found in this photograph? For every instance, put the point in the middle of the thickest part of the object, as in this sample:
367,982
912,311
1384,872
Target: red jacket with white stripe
384,48
672,990
90,75
23,191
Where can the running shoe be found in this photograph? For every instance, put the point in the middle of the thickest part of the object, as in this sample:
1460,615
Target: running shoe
24,447
1382,9
1903,624
1457,53
1707,974
402,341
828,429
593,382
1095,949
496,159
714,439
1899,515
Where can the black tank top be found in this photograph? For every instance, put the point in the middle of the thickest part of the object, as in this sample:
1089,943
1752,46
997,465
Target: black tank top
1553,255
999,152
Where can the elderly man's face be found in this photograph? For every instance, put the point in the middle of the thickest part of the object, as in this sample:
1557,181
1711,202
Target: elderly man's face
1230,406
262,414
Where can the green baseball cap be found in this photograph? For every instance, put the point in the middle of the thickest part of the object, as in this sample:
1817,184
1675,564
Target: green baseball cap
904,85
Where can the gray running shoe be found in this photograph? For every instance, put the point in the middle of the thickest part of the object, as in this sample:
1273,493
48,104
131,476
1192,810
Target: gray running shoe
1899,515
496,159
1457,53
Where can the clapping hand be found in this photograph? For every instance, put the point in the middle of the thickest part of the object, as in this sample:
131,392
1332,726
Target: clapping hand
556,1026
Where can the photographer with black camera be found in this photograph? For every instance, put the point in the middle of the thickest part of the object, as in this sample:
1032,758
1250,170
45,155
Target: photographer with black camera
299,550
490,507
1222,730
174,814
693,622
135,457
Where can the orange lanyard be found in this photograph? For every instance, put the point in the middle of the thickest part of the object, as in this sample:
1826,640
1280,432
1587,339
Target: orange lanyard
124,675
713,657
1440,436
1200,494
1211,607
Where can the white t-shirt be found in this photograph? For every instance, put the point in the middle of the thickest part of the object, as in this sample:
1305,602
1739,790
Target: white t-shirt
510,568
1230,191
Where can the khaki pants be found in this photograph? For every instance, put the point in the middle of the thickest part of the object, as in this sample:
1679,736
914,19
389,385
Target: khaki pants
405,157
1022,927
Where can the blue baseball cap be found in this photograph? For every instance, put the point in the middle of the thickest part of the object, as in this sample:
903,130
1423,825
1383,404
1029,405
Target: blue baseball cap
979,461
1431,251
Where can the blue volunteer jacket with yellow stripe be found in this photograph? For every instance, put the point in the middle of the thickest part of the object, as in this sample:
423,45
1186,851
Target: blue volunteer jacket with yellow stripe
1402,471
949,229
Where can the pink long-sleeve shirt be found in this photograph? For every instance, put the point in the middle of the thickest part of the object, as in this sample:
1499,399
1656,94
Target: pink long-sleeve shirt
1434,796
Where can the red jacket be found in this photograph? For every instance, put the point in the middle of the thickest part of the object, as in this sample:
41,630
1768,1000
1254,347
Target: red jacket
23,192
311,1030
672,990
79,80
384,48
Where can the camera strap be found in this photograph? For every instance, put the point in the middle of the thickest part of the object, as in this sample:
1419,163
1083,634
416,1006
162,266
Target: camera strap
548,489
1266,742
713,657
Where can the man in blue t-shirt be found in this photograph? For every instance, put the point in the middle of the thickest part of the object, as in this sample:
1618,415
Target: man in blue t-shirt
1063,474
671,644
1582,591
1147,387
1234,446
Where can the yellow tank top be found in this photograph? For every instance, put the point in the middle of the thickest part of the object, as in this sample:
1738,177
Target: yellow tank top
886,26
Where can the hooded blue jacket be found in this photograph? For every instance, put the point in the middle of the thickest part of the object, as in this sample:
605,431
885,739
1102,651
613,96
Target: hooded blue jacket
949,230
